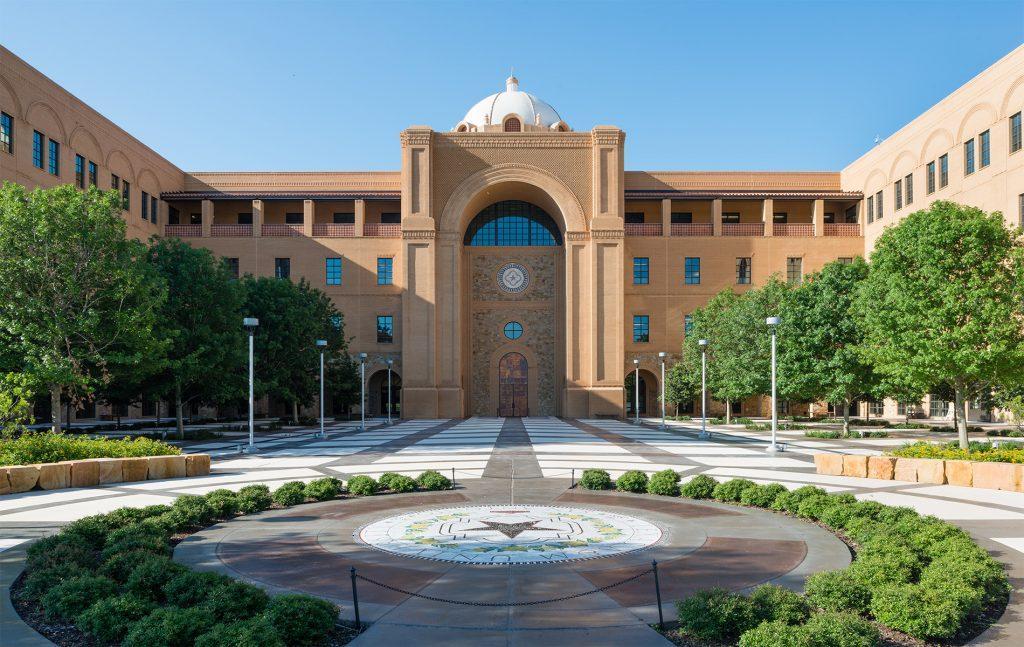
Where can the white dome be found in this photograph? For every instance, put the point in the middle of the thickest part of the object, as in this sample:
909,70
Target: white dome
493,110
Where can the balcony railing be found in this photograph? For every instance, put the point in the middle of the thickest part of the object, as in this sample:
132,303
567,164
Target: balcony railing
743,229
793,229
333,230
230,230
382,230
693,229
282,230
643,229
183,231
845,229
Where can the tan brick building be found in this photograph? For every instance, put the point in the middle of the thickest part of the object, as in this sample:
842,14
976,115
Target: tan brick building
512,265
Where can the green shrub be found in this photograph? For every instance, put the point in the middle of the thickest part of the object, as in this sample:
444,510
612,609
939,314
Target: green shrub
434,480
92,530
762,496
594,479
731,491
790,501
254,632
120,565
169,627
223,502
362,485
191,588
234,600
715,614
891,564
126,516
772,603
384,480
110,619
837,591
397,482
841,630
192,511
813,506
48,447
632,481
58,550
837,515
776,634
826,434
254,498
979,572
148,578
301,619
701,486
323,489
137,536
861,529
290,493
39,581
891,515
664,483
73,596
928,613
978,451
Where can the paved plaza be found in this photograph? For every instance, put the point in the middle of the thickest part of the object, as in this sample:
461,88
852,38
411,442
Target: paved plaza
509,464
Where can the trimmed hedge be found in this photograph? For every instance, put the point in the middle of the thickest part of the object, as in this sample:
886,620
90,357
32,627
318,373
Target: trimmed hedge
594,479
977,451
632,481
48,447
433,480
664,483
701,486
289,494
362,485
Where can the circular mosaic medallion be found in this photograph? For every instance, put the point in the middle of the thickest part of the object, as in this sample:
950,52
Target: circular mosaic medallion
513,277
508,534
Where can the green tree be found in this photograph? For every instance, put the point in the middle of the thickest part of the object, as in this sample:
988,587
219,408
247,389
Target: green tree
943,303
822,357
15,404
709,322
78,295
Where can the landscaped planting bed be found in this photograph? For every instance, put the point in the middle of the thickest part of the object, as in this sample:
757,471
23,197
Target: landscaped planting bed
978,452
110,579
914,579
47,447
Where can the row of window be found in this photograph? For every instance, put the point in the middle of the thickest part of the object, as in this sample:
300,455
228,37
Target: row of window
80,172
744,265
44,156
332,269
733,217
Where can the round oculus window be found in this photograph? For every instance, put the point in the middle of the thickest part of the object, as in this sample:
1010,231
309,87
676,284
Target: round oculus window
513,277
513,330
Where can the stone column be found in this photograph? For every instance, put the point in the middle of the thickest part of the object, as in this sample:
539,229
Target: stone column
666,217
307,218
716,216
257,217
360,217
207,215
768,216
818,216
578,324
860,216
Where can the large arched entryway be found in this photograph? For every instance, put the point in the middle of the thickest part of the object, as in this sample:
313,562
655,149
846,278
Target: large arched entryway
513,386
377,394
648,400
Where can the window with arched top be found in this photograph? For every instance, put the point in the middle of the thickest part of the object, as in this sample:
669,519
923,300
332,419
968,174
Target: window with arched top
513,125
462,128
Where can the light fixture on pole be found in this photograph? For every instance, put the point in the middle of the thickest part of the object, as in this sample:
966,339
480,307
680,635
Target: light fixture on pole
636,389
390,364
662,355
774,446
362,391
704,389
250,324
321,344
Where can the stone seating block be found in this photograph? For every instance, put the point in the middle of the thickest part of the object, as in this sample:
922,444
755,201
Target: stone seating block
855,465
166,467
906,469
85,473
931,471
197,464
134,469
22,478
111,470
960,473
54,476
881,467
831,464
5,483
996,476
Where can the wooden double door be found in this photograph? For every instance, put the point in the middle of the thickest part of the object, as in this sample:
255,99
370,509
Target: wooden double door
513,386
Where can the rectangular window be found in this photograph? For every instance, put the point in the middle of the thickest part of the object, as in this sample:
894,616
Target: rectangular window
293,218
692,271
731,217
92,173
743,270
232,265
687,324
115,182
634,217
37,149
929,178
54,158
1015,134
80,171
851,214
846,260
871,209
794,270
333,270
173,216
245,218
682,218
641,329
876,408
780,217
897,190
153,206
344,218
830,217
937,407
282,268
7,133
878,206
385,268
145,206
641,270
385,329
986,149
969,157
908,188
394,218
944,171
126,195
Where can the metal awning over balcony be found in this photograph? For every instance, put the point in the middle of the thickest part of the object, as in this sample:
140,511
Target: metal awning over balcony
281,195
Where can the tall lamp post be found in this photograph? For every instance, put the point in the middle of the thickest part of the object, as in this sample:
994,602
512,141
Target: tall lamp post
390,364
662,355
321,344
704,389
773,447
250,324
362,391
636,389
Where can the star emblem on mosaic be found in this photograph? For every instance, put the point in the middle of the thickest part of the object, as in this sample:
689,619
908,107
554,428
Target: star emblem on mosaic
509,534
513,277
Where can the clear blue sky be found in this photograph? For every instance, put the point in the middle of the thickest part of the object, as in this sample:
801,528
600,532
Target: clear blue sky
329,85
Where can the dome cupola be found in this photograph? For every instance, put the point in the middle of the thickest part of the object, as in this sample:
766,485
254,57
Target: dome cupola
511,111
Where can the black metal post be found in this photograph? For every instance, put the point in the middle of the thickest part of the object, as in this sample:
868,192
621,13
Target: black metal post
453,478
572,479
657,590
355,601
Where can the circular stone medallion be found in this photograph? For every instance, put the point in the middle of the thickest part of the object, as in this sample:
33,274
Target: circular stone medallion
506,534
513,277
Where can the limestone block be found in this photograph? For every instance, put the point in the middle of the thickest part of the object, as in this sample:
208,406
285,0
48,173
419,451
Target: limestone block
110,470
931,471
881,467
23,477
134,469
960,473
906,469
855,466
54,476
5,483
996,476
831,464
197,464
85,473
166,467
176,466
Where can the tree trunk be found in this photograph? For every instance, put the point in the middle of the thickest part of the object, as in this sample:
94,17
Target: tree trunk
810,410
846,418
295,411
728,412
961,425
55,408
179,413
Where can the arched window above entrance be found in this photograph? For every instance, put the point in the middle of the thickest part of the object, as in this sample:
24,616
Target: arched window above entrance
513,223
